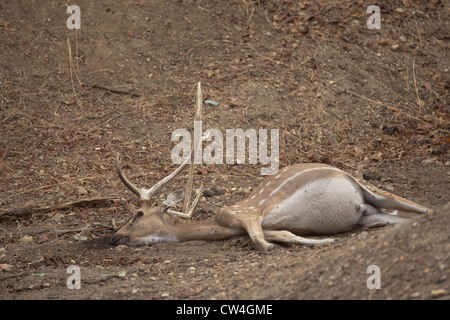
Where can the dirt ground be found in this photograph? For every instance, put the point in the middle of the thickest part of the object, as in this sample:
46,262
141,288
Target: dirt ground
339,93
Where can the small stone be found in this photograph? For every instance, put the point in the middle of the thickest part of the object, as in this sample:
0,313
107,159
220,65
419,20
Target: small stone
437,293
429,160
5,267
81,191
120,247
26,239
191,269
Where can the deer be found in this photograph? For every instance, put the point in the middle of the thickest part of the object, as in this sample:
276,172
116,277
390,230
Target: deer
309,199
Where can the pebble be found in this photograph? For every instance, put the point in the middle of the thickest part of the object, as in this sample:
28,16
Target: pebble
191,269
429,161
26,239
81,191
5,267
120,247
437,293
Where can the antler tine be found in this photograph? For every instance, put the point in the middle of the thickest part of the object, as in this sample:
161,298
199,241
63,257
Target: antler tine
191,210
125,181
147,193
197,198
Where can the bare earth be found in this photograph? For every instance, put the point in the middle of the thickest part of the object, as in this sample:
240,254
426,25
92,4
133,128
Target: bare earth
339,93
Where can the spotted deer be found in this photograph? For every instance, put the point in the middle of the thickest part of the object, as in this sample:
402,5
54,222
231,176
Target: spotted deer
299,200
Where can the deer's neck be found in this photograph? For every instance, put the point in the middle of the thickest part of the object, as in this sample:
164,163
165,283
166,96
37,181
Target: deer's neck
203,230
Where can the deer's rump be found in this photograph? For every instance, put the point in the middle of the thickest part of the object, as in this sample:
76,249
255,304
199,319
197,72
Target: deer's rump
324,206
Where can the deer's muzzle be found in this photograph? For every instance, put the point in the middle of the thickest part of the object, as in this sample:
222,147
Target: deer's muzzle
119,239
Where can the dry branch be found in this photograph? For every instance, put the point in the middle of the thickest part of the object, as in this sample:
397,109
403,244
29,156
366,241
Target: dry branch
112,90
103,279
21,213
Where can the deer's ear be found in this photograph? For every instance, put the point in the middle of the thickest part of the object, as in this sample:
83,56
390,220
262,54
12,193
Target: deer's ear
173,198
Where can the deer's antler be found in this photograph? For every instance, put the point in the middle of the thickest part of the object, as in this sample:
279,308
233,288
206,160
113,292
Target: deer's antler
146,194
188,214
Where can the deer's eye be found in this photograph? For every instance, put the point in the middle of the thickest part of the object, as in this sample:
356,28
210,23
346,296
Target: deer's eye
138,214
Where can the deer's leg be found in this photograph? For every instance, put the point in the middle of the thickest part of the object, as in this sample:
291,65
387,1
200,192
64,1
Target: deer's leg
290,238
250,223
254,229
373,217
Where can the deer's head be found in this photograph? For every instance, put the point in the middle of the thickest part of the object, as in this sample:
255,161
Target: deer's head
148,224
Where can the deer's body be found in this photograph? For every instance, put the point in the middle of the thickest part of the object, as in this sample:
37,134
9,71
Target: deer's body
303,199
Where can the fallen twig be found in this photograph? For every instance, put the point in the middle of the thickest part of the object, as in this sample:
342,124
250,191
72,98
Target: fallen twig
25,212
118,91
71,75
104,278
